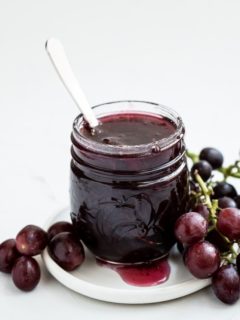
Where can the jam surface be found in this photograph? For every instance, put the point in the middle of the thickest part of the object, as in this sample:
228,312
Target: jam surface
130,129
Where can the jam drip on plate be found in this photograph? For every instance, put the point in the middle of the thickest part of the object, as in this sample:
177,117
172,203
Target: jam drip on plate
141,275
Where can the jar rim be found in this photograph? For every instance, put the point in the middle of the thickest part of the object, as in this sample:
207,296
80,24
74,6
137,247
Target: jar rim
139,149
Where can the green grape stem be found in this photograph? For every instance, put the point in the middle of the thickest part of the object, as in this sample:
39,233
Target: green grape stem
193,156
212,206
231,171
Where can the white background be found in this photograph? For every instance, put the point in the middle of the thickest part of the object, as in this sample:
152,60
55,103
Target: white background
184,54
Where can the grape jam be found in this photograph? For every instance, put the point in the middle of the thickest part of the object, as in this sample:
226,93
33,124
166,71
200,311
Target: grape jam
143,275
130,129
129,181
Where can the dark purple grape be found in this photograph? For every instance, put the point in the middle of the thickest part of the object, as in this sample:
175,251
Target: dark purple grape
66,250
217,240
238,264
202,259
226,284
202,209
8,255
203,168
26,273
180,247
58,227
226,202
224,189
212,156
190,227
31,240
229,223
237,200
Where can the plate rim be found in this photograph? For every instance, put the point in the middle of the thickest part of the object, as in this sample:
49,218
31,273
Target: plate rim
153,294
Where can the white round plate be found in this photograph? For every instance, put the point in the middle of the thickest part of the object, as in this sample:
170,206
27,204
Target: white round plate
104,284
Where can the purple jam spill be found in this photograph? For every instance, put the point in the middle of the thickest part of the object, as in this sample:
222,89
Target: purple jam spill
143,275
131,129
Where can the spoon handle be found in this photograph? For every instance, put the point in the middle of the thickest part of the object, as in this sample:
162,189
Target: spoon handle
59,60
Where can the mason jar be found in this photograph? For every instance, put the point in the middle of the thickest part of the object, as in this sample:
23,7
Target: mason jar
126,199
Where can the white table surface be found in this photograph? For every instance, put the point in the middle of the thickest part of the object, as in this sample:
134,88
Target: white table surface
180,53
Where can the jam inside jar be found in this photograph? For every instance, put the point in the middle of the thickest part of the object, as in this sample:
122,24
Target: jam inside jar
129,181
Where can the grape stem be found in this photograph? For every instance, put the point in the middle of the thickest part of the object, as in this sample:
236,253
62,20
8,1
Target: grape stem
231,171
212,205
193,156
227,258
233,251
206,192
230,256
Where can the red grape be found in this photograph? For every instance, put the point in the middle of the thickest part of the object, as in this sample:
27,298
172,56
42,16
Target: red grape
229,223
31,240
190,227
226,284
8,255
202,209
67,251
58,227
26,273
202,259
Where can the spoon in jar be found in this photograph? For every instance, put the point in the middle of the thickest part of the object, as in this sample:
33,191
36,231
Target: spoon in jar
59,60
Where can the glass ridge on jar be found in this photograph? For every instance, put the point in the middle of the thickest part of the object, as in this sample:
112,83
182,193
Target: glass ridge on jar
126,199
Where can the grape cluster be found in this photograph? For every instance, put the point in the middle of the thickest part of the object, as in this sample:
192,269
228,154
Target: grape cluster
209,234
16,255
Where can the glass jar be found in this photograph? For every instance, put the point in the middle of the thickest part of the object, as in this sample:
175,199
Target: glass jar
126,199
